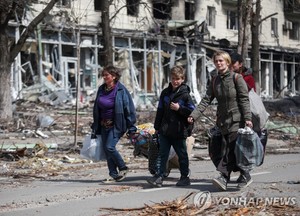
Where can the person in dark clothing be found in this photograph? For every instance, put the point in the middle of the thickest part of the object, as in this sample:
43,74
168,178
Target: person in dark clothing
175,105
233,112
237,66
114,115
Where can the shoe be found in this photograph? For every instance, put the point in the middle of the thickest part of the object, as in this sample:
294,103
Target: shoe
183,181
239,179
155,181
221,182
245,181
122,174
109,180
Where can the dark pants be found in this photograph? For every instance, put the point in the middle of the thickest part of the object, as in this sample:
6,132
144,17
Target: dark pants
179,146
228,162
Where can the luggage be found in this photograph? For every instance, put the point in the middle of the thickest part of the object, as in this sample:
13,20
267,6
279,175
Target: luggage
153,152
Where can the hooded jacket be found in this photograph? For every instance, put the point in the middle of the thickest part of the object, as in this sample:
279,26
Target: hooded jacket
233,102
173,123
248,77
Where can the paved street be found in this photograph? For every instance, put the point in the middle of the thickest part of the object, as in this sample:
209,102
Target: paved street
82,193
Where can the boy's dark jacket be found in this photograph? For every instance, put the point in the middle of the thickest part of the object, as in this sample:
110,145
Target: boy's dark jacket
173,123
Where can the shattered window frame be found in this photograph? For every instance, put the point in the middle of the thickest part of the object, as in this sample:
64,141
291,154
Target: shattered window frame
133,7
189,10
274,27
232,20
211,16
294,33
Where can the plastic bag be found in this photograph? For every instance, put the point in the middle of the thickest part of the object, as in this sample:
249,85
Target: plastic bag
248,150
259,113
93,149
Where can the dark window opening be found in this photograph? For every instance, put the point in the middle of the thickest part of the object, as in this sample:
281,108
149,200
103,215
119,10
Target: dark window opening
133,7
98,5
274,27
294,32
162,10
189,11
211,16
232,20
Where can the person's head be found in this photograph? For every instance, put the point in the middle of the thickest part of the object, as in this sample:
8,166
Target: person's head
177,76
222,61
236,62
111,74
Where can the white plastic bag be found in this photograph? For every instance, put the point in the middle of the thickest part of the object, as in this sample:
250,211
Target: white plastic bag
93,149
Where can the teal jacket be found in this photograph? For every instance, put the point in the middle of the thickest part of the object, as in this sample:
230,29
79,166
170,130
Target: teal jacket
124,113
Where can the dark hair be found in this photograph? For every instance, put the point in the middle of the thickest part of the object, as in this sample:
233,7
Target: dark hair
113,71
236,57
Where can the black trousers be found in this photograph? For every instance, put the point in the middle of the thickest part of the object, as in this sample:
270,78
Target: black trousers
227,163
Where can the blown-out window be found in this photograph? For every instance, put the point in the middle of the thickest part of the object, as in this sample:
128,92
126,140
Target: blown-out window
232,20
211,16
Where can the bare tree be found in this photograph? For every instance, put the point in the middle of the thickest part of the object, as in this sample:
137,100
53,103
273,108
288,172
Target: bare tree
244,15
9,48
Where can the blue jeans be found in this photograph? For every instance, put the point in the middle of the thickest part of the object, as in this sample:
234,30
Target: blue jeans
113,157
179,146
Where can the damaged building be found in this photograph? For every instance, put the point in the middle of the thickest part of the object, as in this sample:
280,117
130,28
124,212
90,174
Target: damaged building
148,38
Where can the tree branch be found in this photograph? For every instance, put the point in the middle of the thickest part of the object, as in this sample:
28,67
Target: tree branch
15,49
267,17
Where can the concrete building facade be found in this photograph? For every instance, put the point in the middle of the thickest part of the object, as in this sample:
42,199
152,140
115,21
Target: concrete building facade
148,38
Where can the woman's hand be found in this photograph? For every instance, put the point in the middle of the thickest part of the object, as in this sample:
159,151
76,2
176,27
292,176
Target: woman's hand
249,124
174,106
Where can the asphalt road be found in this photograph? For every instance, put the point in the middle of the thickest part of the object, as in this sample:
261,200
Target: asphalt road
82,193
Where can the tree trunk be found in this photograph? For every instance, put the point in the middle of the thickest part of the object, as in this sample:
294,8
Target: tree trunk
107,35
5,75
255,45
244,17
9,50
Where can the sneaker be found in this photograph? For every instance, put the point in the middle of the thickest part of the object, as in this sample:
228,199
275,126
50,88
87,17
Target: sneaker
124,171
239,179
109,180
220,182
183,181
245,181
155,181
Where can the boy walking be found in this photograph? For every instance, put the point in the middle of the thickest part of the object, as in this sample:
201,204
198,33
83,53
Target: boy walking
175,105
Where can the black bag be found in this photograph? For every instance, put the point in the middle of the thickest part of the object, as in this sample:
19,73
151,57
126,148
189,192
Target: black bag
153,152
215,145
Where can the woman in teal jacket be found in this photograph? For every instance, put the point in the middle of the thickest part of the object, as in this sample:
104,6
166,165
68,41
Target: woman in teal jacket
114,115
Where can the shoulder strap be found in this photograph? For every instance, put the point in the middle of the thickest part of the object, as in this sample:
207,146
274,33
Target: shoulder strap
234,77
213,84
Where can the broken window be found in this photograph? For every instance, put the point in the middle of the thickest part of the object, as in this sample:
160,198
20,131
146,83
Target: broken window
162,9
211,16
133,7
64,3
98,5
232,20
274,27
189,10
294,32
